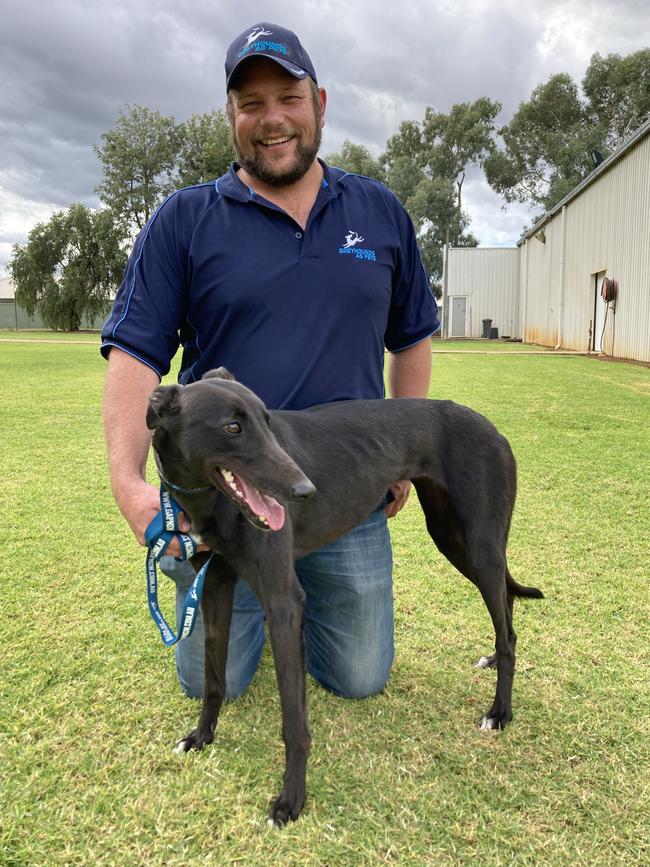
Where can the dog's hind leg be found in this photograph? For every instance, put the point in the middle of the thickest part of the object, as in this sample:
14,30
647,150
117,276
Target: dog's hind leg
514,590
485,566
491,660
489,575
283,607
216,608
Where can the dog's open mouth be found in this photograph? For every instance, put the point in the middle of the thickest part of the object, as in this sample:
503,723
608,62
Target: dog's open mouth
262,510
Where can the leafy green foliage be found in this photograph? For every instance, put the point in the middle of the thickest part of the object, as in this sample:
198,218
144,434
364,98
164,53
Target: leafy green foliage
547,146
548,142
357,158
206,148
69,267
618,94
426,165
139,158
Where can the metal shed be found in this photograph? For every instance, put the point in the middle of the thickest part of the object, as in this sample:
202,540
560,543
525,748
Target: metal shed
600,230
483,286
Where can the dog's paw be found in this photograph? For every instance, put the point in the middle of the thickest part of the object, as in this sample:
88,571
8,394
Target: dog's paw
494,722
196,740
285,808
487,662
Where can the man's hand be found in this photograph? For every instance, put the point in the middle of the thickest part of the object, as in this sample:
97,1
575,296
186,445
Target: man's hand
141,507
400,490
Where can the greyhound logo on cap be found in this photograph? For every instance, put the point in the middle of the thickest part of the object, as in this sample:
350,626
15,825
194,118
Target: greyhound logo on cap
257,31
284,48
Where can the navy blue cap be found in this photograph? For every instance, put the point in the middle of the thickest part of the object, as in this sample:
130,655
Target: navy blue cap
276,43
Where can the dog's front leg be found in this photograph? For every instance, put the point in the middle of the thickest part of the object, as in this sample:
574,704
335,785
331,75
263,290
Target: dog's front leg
284,613
216,608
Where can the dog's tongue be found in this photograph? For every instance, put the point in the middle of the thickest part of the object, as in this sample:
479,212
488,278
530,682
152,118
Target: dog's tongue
264,506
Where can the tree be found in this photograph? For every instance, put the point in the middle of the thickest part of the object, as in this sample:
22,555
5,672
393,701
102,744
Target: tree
618,94
206,148
139,157
445,145
549,141
459,139
426,165
69,267
356,158
547,146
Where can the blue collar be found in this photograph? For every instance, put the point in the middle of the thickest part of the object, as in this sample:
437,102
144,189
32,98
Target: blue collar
178,488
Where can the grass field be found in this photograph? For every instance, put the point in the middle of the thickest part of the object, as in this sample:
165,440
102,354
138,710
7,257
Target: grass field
90,709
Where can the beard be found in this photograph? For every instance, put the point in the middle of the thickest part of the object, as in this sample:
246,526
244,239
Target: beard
257,167
306,151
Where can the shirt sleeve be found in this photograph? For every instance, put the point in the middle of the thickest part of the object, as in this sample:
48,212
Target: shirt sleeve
149,306
413,313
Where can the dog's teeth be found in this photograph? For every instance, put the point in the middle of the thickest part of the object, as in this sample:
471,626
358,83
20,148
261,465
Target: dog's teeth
228,476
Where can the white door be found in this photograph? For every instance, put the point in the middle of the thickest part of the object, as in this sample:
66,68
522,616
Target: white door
599,313
458,316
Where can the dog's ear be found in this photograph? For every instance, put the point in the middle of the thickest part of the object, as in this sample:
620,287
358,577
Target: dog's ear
218,373
162,401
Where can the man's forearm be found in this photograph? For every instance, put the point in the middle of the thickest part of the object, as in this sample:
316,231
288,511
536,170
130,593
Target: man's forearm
409,371
126,393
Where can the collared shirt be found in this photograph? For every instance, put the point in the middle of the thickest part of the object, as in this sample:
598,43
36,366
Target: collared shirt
299,316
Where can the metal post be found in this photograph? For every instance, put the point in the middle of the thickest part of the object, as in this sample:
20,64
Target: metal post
444,330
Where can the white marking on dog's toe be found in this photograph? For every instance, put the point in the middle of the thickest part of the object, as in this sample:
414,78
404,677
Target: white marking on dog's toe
271,823
179,749
488,724
484,662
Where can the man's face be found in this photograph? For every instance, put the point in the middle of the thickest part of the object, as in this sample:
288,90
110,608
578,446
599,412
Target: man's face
276,121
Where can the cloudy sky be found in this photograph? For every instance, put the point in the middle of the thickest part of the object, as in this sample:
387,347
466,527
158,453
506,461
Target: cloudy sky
67,67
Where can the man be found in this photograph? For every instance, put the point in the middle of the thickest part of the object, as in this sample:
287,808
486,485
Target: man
294,276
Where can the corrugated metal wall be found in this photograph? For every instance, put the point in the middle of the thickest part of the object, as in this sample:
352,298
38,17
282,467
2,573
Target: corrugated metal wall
489,278
607,231
604,230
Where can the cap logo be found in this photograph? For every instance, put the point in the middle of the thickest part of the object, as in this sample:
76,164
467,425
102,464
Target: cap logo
255,33
254,43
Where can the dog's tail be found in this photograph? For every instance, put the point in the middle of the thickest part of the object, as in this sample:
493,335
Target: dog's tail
520,590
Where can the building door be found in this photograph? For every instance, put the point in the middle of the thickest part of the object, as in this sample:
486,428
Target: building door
599,313
458,316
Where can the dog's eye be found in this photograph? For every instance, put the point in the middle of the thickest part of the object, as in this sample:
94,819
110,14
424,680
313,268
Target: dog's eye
233,427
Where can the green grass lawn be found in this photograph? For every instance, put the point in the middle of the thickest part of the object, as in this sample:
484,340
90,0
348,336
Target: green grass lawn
90,708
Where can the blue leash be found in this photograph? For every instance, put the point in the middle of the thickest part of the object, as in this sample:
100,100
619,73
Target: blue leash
158,535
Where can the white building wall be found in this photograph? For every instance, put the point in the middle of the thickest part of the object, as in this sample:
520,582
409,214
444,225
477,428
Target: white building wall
607,233
489,279
546,290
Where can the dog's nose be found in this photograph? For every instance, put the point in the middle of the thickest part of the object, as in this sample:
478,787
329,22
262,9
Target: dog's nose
303,490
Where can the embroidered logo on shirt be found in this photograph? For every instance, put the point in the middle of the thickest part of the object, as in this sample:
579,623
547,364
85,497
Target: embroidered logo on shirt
350,247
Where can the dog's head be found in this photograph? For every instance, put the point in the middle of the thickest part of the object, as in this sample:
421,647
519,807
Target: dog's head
218,432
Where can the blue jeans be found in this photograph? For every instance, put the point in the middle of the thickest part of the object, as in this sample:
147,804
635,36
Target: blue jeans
348,618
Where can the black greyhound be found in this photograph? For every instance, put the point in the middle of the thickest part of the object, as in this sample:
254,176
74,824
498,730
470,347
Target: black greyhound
263,488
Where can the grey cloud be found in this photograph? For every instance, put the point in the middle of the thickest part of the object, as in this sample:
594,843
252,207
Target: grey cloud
68,68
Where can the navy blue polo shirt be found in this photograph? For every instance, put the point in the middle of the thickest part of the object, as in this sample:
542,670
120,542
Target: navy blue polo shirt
300,317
